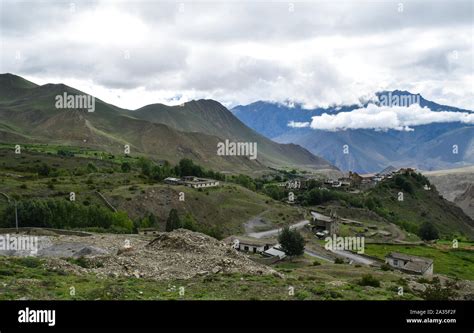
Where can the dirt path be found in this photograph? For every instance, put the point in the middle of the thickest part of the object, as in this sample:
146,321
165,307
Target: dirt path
317,255
256,222
274,232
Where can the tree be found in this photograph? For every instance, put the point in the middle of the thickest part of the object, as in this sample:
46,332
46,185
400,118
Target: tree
189,222
126,167
121,220
173,222
145,165
274,192
166,169
291,241
428,231
186,167
157,173
152,220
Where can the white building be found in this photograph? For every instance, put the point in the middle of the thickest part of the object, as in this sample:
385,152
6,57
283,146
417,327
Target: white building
249,244
275,251
196,182
410,264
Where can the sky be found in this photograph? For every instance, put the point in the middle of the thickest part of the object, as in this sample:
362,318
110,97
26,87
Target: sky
319,53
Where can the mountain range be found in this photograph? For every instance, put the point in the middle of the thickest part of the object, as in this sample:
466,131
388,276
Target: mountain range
427,147
192,130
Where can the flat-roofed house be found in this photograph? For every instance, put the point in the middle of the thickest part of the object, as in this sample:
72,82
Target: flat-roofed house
172,181
410,264
275,251
249,244
196,182
148,231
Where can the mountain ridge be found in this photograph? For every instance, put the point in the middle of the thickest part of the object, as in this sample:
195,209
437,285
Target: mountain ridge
429,147
28,113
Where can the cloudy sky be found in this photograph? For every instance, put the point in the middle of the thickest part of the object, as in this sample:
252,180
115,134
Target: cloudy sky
319,53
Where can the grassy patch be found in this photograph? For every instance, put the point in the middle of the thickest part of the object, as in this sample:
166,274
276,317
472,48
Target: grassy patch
452,262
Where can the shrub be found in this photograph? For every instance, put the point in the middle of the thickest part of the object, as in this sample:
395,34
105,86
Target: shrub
189,222
301,295
335,294
43,170
428,231
436,292
29,262
385,267
423,280
125,167
369,280
91,167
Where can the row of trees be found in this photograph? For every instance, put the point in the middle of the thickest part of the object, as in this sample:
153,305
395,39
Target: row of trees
185,167
63,214
318,196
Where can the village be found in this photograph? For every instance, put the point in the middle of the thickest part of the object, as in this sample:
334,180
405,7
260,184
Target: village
263,247
352,181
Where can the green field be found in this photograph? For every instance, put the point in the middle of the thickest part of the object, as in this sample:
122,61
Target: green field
458,263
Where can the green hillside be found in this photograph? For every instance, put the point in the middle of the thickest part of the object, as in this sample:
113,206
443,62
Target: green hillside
208,116
47,174
28,115
419,206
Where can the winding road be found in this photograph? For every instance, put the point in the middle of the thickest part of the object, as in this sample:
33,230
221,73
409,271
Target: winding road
274,232
346,254
355,257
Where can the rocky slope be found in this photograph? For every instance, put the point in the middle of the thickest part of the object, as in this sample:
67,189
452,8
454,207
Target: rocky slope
181,254
456,185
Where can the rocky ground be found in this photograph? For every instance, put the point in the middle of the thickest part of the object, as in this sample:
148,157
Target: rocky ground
181,254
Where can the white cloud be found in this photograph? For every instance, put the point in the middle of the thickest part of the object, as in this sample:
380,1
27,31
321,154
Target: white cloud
384,118
320,54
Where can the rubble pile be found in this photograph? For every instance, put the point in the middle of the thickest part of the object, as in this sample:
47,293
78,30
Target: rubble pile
180,254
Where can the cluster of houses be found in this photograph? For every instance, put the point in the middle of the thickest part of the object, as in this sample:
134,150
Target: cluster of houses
191,181
352,180
271,249
327,226
364,181
294,184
